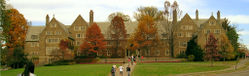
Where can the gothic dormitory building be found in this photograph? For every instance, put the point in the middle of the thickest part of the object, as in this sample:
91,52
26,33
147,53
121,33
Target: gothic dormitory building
42,41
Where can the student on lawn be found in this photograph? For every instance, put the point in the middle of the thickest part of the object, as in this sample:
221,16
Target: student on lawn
113,70
121,70
128,70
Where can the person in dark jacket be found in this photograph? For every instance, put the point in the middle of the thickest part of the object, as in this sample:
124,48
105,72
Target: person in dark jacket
113,71
128,70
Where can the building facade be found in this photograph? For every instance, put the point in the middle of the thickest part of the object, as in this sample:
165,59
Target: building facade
42,42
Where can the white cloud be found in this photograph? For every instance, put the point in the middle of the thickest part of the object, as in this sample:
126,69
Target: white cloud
239,19
243,33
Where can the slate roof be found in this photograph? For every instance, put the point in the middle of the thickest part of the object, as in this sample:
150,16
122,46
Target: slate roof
104,26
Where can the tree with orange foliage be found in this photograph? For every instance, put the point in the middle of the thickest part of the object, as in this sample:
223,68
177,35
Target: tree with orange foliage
14,29
64,46
94,41
146,35
117,32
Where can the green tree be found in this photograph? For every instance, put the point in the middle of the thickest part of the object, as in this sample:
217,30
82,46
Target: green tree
18,59
194,49
232,35
227,50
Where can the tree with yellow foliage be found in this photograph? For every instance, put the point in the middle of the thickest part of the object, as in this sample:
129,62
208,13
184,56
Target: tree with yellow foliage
227,50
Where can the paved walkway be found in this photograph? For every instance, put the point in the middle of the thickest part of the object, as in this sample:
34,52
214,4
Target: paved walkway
125,73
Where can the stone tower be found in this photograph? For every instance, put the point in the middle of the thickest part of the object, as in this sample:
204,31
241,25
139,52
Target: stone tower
90,17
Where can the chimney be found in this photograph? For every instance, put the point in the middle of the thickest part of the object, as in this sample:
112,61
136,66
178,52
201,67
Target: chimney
197,14
47,20
218,16
90,17
174,17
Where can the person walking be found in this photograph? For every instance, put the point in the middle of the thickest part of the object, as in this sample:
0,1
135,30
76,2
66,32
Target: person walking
121,70
128,70
132,60
113,71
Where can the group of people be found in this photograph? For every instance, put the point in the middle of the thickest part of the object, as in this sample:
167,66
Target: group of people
121,70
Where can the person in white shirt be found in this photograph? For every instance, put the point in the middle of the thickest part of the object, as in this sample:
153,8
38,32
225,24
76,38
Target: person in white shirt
121,70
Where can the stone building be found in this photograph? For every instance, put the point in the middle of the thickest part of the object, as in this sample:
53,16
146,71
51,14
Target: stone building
42,41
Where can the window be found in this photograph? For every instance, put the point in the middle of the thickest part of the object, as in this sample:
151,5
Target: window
53,40
51,50
77,43
164,35
49,33
57,33
183,44
158,52
190,27
183,27
78,36
108,43
189,34
34,44
181,51
34,36
217,31
82,27
208,31
79,28
108,52
180,35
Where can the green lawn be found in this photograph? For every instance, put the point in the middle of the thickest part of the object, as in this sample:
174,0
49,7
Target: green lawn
162,69
66,70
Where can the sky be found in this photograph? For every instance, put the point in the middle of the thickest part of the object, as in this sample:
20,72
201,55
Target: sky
66,11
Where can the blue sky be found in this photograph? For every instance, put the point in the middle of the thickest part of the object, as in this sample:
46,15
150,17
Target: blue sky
237,11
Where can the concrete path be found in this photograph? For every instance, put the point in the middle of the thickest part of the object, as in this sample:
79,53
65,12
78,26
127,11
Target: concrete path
125,73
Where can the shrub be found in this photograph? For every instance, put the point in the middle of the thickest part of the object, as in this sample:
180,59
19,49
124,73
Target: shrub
61,62
181,55
18,59
191,57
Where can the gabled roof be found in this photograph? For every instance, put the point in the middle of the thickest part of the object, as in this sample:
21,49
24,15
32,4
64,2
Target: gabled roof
34,30
60,24
79,19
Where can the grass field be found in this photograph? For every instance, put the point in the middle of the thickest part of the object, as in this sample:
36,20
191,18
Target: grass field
162,69
66,70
